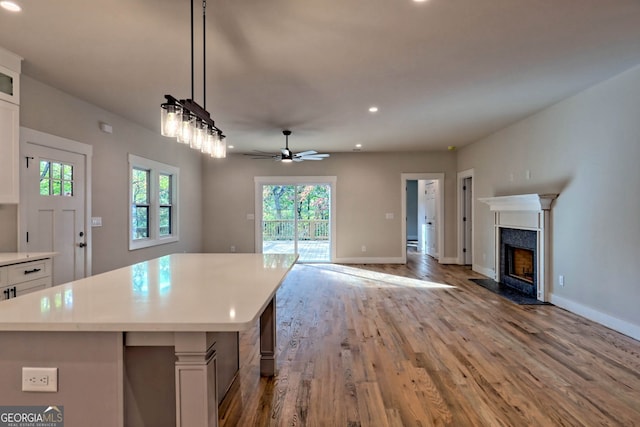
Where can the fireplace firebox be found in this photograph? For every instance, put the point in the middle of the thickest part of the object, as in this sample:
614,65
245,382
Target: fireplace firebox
518,260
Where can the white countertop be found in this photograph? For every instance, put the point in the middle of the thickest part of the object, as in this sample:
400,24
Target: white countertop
7,258
180,292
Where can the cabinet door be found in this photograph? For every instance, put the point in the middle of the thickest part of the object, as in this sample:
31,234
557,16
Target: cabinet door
9,143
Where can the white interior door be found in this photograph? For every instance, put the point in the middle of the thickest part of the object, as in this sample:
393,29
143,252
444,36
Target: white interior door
467,199
422,216
431,226
53,198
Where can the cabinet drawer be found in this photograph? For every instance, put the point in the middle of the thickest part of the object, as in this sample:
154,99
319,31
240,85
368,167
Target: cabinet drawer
32,286
27,271
4,279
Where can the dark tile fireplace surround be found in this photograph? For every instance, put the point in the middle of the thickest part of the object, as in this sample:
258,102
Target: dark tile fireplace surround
523,281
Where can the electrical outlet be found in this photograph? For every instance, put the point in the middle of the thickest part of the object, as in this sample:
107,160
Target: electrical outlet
233,248
40,379
561,280
364,248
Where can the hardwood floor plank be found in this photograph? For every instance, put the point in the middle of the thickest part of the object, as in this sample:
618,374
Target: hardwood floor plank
421,345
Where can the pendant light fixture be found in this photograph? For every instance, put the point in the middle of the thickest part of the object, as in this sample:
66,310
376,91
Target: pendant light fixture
187,121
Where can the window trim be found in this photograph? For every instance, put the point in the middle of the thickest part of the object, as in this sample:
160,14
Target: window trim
155,169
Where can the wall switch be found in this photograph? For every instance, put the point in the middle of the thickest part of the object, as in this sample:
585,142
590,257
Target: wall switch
40,379
96,221
364,248
527,175
251,217
389,216
232,248
561,280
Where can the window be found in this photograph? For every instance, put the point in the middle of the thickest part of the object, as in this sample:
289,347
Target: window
56,179
153,200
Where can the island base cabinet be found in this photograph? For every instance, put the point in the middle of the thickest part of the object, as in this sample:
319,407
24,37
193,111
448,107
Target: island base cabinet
89,373
177,379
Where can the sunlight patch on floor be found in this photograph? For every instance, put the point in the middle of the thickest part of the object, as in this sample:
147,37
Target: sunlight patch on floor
381,279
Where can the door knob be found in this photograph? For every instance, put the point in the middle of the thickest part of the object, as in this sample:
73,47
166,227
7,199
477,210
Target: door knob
82,244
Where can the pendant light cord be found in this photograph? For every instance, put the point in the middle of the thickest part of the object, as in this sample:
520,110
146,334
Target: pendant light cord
204,55
192,61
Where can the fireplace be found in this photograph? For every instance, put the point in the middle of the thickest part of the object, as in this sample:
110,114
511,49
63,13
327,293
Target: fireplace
518,260
522,235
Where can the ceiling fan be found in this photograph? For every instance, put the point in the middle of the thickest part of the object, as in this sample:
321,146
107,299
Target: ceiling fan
286,155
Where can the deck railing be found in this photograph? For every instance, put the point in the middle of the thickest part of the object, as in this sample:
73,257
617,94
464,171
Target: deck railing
283,229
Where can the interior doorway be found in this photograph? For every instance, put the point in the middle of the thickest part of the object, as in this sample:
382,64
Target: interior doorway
296,216
465,217
54,205
429,201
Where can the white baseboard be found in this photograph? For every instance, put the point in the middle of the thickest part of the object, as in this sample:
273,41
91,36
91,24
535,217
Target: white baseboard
614,323
371,260
448,260
486,271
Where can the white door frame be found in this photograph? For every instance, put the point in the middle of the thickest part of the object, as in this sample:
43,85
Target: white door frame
403,206
461,177
259,181
32,136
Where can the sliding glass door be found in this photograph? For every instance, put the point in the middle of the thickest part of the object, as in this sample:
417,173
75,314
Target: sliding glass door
296,218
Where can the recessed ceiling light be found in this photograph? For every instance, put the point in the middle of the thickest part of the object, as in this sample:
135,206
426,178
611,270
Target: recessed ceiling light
373,109
358,145
420,1
231,147
10,6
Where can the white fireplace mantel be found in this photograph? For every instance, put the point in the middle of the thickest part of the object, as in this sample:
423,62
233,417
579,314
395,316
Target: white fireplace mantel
520,202
525,212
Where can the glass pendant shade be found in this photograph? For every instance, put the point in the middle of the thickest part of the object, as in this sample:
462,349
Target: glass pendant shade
185,134
207,145
171,116
219,147
198,136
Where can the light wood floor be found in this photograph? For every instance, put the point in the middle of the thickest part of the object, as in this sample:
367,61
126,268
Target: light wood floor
373,346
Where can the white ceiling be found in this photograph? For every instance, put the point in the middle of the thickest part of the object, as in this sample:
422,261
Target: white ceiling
442,72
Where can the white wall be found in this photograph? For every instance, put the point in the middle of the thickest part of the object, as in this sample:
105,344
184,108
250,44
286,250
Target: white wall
49,110
587,148
368,186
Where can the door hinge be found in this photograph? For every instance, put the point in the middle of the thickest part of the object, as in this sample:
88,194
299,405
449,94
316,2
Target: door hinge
464,187
464,218
27,237
464,250
28,158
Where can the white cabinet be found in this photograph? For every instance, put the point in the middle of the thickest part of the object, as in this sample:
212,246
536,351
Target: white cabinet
23,278
9,147
10,67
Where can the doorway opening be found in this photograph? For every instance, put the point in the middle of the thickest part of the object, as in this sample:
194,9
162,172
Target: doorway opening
429,215
296,217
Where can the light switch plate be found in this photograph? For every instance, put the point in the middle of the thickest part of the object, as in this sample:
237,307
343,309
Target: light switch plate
96,221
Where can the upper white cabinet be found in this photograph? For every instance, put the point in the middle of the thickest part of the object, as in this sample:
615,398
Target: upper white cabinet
9,126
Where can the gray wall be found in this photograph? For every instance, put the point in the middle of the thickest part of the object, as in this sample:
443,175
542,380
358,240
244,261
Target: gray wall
587,148
368,186
49,110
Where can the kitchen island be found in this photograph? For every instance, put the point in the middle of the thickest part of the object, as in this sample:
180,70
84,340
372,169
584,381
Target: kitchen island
155,343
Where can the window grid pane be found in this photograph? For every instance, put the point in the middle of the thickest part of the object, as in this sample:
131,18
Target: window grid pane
56,179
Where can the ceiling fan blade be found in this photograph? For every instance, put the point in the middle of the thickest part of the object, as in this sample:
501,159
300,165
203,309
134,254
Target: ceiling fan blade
320,156
298,159
306,153
311,158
